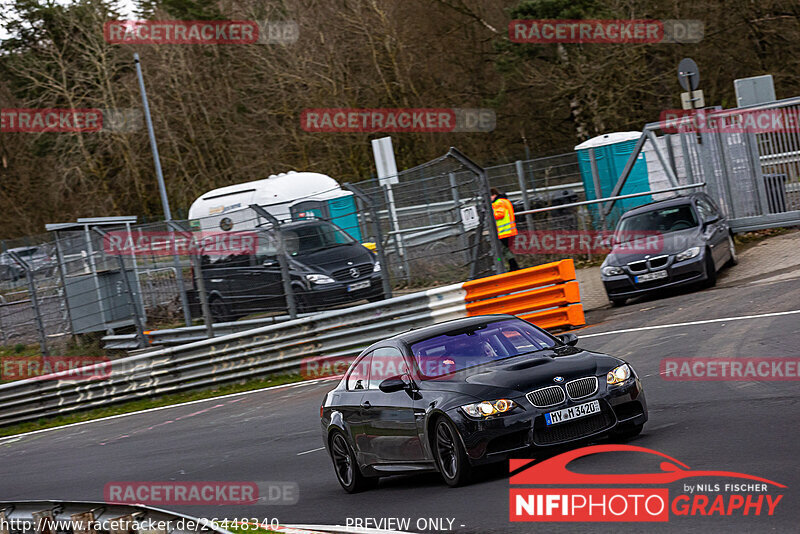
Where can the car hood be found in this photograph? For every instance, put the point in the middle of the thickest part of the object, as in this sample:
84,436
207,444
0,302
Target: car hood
520,375
670,243
332,259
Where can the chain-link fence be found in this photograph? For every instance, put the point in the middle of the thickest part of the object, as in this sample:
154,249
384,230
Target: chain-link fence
433,225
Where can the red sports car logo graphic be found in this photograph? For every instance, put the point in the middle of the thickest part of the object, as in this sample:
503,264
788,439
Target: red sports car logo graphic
554,470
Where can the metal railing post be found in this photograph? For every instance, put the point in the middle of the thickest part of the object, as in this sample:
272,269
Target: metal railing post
523,187
137,320
34,301
387,286
291,304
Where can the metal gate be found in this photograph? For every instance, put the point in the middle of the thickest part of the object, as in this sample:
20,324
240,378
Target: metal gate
749,159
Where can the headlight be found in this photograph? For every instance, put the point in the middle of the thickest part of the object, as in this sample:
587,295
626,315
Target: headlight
687,254
377,267
319,279
487,408
610,270
618,374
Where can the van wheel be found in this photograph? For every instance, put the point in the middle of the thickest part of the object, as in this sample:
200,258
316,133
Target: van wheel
301,301
219,310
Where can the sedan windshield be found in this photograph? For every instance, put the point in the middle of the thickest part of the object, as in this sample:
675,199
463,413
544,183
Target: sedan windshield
662,220
448,353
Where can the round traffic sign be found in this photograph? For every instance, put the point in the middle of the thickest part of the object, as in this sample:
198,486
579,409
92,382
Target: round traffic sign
688,74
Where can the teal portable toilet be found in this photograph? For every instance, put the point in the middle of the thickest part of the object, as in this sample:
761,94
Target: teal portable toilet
338,207
611,152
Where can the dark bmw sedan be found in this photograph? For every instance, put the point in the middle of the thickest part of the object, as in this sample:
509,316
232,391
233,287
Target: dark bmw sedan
669,243
472,391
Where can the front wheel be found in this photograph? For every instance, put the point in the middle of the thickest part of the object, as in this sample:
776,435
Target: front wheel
219,310
450,455
617,302
346,467
711,270
734,259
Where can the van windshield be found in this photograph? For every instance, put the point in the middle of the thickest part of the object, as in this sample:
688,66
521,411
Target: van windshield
314,237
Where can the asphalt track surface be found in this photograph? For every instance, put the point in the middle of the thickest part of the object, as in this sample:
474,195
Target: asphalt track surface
274,435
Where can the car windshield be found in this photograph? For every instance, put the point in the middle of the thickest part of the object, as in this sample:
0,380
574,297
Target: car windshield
662,220
447,353
313,237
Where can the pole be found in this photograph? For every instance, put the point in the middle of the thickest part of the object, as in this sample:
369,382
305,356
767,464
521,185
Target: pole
282,259
387,287
153,146
187,317
523,186
197,264
34,301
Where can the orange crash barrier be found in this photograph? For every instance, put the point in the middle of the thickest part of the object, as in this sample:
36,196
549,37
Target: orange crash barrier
546,295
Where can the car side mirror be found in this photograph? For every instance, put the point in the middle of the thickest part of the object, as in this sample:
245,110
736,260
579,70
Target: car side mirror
711,220
568,339
394,383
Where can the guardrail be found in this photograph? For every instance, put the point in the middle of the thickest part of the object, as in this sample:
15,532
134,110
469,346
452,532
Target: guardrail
544,294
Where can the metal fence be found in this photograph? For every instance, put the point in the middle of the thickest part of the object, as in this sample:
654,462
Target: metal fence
433,226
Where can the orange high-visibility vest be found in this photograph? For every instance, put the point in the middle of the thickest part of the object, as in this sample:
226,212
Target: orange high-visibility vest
504,217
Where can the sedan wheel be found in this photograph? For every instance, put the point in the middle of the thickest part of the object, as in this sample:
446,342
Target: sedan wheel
450,456
344,463
732,252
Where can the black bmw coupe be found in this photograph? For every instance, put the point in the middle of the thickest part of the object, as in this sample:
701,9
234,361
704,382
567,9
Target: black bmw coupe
468,392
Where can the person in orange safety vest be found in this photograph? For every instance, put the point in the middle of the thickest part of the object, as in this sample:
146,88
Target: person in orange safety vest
506,225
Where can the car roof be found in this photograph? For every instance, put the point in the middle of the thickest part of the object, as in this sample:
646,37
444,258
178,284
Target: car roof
658,204
426,332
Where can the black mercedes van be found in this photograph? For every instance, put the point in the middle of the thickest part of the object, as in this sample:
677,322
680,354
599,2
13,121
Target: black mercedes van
327,267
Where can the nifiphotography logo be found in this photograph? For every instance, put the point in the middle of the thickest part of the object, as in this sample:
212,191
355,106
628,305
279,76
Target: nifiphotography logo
635,497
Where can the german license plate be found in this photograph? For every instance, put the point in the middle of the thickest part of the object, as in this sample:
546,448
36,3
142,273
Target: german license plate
358,285
573,412
657,275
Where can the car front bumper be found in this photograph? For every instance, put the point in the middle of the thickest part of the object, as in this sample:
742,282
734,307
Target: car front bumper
496,438
678,274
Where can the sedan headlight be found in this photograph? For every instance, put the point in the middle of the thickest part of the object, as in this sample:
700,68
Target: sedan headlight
688,254
377,267
487,408
319,279
619,374
610,270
